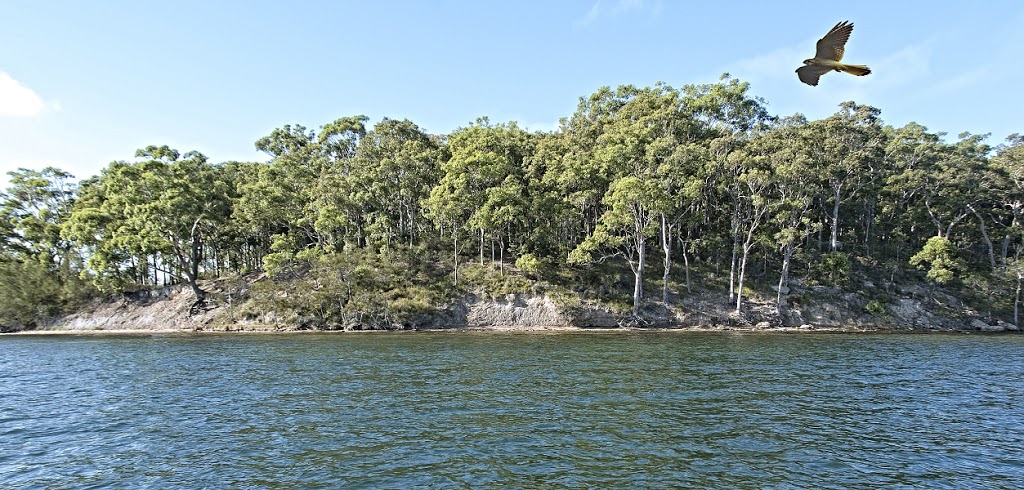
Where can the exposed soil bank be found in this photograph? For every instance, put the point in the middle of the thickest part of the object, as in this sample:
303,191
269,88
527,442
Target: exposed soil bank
809,309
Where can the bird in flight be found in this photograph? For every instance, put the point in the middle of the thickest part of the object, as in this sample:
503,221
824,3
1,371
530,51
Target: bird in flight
828,55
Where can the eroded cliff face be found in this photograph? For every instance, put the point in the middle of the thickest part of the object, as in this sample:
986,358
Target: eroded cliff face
158,309
810,308
509,312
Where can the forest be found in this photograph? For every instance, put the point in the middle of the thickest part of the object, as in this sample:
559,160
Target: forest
642,195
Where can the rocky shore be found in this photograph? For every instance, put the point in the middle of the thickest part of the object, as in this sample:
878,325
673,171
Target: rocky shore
808,309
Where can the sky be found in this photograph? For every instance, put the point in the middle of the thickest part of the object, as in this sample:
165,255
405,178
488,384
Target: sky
86,83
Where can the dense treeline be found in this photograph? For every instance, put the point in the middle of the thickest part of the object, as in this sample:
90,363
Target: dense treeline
670,190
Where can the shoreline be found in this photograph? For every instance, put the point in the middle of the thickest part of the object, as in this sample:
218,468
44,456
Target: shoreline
504,330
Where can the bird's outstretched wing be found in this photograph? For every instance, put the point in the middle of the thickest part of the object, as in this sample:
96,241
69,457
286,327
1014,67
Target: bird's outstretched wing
832,46
810,74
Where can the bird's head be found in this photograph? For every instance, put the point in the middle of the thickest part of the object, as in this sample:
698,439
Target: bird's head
809,61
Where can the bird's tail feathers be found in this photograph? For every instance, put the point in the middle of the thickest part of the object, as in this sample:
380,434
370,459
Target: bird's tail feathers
859,70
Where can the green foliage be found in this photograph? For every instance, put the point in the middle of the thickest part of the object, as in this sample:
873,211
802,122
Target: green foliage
360,289
832,268
491,282
31,293
875,307
374,227
169,205
939,258
530,265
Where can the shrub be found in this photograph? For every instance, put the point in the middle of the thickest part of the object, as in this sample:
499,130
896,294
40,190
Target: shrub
530,265
875,307
938,256
833,269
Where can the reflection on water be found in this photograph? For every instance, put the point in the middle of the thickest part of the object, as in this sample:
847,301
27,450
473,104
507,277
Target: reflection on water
512,410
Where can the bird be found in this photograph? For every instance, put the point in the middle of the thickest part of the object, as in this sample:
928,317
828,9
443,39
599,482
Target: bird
828,54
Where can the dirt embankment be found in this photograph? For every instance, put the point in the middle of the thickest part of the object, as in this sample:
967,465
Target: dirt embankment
806,309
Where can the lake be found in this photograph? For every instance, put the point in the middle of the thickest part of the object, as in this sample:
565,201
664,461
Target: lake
469,410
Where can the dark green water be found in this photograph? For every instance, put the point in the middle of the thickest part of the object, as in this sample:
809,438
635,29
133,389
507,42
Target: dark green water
470,410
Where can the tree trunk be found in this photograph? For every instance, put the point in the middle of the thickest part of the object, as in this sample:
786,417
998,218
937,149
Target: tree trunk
686,268
666,245
1016,301
455,239
739,290
747,245
1005,251
638,284
732,260
834,241
984,235
787,255
869,218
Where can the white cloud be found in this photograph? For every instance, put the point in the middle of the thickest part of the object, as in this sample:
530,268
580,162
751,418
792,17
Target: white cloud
17,100
604,9
773,64
772,74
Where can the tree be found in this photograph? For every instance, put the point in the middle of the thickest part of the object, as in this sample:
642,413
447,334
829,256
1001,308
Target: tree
843,148
165,204
752,203
794,188
939,257
473,192
34,207
730,117
38,268
631,219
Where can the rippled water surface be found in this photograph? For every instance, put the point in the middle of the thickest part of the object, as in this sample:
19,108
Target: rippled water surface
644,410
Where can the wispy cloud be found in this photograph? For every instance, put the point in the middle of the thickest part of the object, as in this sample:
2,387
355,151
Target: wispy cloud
17,100
774,72
606,9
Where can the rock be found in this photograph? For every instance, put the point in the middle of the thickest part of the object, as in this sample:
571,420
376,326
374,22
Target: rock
1008,326
515,311
763,325
984,327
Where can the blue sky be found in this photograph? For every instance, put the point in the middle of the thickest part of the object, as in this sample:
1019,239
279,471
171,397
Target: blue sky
85,83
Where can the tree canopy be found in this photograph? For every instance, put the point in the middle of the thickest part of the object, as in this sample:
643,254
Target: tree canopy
726,194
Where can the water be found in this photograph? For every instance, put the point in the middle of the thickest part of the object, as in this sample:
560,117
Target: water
644,410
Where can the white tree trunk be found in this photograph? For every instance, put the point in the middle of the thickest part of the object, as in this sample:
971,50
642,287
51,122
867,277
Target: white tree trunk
787,255
638,285
666,246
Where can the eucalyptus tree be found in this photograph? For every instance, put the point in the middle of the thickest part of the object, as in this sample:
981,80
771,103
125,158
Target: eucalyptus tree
553,218
911,152
574,172
843,148
636,149
38,267
242,245
272,204
166,203
954,185
473,193
752,203
630,220
287,201
729,116
33,208
1009,161
794,188
396,164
